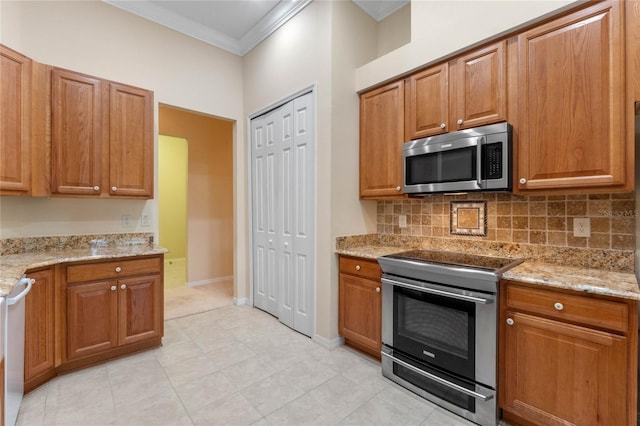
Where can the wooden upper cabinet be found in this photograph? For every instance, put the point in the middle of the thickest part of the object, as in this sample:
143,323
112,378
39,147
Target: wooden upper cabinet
15,119
130,141
468,91
381,139
427,102
479,87
571,103
76,133
102,137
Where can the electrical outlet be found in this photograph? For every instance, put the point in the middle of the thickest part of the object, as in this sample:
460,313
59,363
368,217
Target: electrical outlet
125,220
581,227
145,220
402,221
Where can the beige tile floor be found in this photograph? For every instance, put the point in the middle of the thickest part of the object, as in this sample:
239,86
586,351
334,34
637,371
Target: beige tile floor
184,301
231,366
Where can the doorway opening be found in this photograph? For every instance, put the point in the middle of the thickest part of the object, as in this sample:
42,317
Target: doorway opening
195,209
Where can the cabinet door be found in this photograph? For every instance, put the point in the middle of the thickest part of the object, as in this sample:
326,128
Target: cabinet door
427,107
39,362
130,141
92,318
571,99
381,139
479,88
140,309
76,133
555,373
360,310
15,113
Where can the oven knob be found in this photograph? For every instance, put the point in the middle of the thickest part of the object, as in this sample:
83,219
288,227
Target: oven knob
523,181
558,306
509,321
357,267
377,289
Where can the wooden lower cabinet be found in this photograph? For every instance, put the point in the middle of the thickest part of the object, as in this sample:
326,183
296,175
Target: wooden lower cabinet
556,368
39,333
109,314
360,304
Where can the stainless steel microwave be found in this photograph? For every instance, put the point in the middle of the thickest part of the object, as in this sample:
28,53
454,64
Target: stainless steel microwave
477,159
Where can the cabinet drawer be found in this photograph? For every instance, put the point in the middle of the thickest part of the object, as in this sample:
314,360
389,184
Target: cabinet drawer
360,267
113,269
586,310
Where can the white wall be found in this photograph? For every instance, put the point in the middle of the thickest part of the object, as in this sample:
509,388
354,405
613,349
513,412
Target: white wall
442,27
308,50
98,39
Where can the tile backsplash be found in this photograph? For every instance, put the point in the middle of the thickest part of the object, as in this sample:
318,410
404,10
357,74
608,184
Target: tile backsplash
531,219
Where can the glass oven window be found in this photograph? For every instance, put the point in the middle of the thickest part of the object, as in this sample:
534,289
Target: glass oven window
437,330
457,165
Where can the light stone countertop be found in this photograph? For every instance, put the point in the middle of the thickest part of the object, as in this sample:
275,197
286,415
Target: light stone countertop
596,281
13,266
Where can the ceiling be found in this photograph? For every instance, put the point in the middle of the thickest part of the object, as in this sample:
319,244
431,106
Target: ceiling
234,25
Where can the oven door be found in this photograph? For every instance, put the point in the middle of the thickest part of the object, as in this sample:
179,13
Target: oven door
445,327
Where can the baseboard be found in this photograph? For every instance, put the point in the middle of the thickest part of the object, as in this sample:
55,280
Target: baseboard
328,343
209,281
240,301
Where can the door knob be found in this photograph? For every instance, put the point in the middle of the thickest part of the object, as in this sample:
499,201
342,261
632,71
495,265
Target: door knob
286,244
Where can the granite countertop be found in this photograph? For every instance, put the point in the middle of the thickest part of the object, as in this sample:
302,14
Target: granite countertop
13,266
596,281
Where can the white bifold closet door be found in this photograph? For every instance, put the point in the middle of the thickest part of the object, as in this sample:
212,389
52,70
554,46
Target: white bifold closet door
283,198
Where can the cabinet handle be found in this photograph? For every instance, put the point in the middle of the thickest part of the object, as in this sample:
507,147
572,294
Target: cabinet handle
96,188
118,269
398,188
442,125
113,288
523,181
357,267
509,321
460,121
559,306
123,286
114,188
377,289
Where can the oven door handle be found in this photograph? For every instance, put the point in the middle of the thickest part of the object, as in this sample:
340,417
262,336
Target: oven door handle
437,379
439,292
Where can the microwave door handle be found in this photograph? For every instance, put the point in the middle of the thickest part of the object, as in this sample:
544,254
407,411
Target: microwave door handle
479,161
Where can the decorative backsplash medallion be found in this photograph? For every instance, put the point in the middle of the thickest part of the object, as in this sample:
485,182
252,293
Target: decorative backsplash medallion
468,218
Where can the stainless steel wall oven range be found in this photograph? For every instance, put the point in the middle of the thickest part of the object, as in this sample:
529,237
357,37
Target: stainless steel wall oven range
439,328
